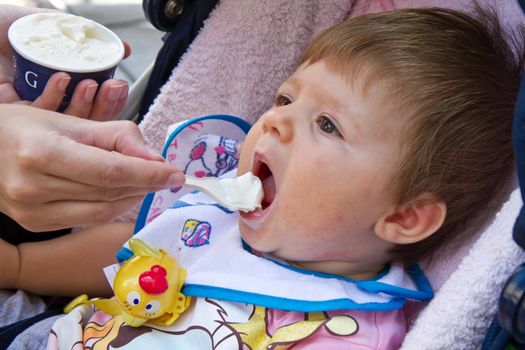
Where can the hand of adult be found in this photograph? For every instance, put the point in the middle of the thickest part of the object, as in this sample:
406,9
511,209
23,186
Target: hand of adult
110,98
59,171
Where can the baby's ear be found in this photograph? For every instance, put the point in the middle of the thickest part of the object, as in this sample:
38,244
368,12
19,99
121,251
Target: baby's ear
413,221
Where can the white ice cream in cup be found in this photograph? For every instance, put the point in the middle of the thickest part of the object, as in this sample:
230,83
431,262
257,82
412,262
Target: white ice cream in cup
46,43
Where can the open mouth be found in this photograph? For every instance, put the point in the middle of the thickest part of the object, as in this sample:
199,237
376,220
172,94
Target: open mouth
263,172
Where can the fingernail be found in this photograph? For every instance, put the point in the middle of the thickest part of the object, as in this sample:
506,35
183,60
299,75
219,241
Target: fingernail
64,82
176,179
91,90
123,92
114,93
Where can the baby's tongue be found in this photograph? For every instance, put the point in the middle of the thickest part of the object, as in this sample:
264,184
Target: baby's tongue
269,190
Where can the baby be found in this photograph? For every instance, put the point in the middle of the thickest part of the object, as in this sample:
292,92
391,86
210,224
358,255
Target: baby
390,138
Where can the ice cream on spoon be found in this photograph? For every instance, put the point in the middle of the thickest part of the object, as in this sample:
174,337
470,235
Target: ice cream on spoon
243,193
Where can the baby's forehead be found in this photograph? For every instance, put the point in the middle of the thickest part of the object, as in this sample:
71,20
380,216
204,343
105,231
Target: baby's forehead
388,115
379,115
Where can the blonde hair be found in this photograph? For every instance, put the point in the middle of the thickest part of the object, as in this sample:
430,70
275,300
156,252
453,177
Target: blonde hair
455,82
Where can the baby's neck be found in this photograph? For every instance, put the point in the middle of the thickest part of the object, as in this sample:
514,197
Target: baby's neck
340,268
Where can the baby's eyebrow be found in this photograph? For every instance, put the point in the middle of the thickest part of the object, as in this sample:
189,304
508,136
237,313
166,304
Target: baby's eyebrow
335,104
293,81
349,117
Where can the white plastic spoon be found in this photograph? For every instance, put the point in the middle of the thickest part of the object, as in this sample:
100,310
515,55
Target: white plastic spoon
240,193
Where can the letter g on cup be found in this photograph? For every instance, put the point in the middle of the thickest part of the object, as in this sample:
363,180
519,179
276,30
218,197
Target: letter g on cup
31,79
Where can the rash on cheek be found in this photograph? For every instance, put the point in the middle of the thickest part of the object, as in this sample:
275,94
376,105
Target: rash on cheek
339,217
332,213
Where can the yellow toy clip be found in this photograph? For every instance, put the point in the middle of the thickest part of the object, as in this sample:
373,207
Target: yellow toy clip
147,288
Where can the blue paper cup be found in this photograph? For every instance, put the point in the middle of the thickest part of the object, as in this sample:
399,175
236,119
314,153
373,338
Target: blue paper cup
31,73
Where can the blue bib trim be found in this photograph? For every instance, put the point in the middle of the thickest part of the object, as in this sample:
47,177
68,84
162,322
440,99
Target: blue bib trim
272,302
399,294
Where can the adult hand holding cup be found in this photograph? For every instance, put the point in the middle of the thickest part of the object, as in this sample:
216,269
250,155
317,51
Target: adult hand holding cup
46,43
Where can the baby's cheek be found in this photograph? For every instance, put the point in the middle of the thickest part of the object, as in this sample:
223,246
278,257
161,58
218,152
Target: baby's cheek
368,190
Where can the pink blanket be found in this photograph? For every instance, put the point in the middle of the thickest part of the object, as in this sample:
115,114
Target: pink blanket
245,50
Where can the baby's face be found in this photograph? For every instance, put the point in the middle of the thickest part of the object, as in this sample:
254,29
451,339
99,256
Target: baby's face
325,156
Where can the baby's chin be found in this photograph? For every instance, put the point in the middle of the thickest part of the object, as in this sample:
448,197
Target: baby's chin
249,242
245,238
252,244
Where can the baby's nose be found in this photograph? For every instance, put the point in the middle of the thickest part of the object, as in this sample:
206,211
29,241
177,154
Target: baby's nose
279,124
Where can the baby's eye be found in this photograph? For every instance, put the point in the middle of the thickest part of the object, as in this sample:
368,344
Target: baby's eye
327,126
281,100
